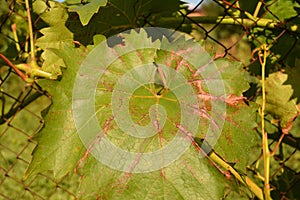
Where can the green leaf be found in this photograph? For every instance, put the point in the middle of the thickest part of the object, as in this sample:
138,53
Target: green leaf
278,99
238,135
248,6
286,48
52,40
235,142
117,16
54,15
59,147
282,10
54,37
86,10
189,177
293,80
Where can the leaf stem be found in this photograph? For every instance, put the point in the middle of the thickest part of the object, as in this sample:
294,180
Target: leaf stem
14,30
34,70
266,152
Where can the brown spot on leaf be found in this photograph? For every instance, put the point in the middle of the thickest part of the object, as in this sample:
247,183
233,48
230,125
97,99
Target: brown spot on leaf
228,139
233,100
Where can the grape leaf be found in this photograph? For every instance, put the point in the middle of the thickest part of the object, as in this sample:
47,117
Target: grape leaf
293,80
54,37
59,146
85,10
238,130
189,177
282,9
234,143
287,47
248,6
117,16
278,99
4,11
7,44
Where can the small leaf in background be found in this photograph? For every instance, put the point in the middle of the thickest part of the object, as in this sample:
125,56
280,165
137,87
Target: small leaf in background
54,37
118,16
287,181
293,80
86,9
278,99
287,49
282,9
248,6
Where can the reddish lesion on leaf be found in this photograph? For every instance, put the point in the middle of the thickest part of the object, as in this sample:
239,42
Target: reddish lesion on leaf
234,100
95,141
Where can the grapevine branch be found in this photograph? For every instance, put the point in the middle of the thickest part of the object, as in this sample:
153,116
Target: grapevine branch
243,179
246,22
11,65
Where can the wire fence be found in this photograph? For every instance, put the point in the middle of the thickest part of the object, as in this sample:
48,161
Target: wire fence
22,103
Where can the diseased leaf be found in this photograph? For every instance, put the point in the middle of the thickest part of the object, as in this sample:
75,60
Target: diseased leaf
86,9
233,76
238,135
60,149
234,144
188,178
